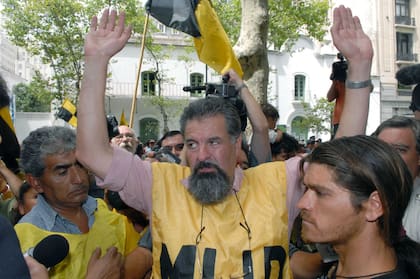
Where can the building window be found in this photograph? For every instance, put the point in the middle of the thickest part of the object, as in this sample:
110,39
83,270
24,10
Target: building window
196,79
175,32
402,8
149,129
299,128
402,12
161,27
405,46
300,81
148,83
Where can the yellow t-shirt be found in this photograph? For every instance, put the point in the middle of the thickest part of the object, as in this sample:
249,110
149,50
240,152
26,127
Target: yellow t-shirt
224,249
109,229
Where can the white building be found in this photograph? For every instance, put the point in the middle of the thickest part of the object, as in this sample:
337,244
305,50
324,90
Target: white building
302,74
296,76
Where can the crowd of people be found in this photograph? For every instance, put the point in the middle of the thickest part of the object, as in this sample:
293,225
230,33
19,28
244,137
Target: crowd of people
204,201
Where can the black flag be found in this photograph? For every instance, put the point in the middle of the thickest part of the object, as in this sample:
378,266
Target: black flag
177,14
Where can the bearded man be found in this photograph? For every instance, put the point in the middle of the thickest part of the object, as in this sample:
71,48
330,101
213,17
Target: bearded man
126,139
223,203
210,219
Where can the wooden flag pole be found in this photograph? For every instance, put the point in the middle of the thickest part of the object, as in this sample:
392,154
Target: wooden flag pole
134,100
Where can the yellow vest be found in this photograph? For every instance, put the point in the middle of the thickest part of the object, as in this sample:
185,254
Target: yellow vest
109,229
224,249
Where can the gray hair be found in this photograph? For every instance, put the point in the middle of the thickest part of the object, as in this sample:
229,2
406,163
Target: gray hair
401,122
43,142
210,107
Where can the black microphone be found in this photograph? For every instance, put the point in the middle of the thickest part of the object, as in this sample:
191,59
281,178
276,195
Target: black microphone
225,78
51,250
194,88
409,75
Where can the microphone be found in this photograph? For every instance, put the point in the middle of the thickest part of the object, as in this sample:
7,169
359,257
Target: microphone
409,75
51,250
194,88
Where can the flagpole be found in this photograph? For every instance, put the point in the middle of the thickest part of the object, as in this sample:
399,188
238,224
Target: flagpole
134,100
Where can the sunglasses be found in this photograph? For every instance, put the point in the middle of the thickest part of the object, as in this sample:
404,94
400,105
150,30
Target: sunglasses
177,147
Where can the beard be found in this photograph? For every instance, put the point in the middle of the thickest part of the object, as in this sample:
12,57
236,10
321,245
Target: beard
127,146
209,187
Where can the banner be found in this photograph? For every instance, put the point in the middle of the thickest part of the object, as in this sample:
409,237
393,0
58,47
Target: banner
213,47
177,14
123,121
198,19
68,113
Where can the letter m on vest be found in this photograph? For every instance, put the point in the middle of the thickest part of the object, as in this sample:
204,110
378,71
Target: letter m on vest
185,263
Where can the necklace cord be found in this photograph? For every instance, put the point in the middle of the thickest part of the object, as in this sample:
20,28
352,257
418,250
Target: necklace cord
245,226
198,237
367,275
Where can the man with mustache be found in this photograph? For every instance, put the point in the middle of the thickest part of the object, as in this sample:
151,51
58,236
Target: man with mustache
209,186
403,134
63,207
357,191
210,219
172,141
126,139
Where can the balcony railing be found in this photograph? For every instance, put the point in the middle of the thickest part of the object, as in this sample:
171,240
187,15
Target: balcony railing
405,20
412,57
167,90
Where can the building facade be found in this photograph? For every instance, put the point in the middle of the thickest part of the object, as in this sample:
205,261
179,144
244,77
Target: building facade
397,46
299,75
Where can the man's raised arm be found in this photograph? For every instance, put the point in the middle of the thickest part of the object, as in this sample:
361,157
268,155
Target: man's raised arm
355,45
104,39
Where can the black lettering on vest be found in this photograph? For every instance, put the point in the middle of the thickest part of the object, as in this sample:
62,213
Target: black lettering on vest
209,262
247,267
185,263
274,253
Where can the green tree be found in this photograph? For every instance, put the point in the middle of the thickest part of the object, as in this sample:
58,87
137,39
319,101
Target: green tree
169,108
54,30
318,117
274,23
288,19
33,97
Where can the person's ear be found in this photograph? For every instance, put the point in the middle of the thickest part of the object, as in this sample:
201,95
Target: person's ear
35,183
374,208
238,144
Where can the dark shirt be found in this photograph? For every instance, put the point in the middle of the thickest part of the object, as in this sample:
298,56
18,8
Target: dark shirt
12,264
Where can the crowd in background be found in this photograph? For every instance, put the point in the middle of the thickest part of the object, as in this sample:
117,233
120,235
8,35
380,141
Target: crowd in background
205,200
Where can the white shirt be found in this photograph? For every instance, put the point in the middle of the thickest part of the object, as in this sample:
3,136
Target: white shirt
411,220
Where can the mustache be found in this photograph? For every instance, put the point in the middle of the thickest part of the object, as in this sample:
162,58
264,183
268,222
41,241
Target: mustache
81,187
209,187
305,216
205,164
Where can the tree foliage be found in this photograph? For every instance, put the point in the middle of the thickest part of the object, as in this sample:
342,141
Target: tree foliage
268,24
54,30
288,19
169,108
33,97
318,117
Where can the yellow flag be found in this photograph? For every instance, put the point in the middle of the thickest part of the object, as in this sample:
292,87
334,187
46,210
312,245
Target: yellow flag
213,47
5,114
68,112
122,119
